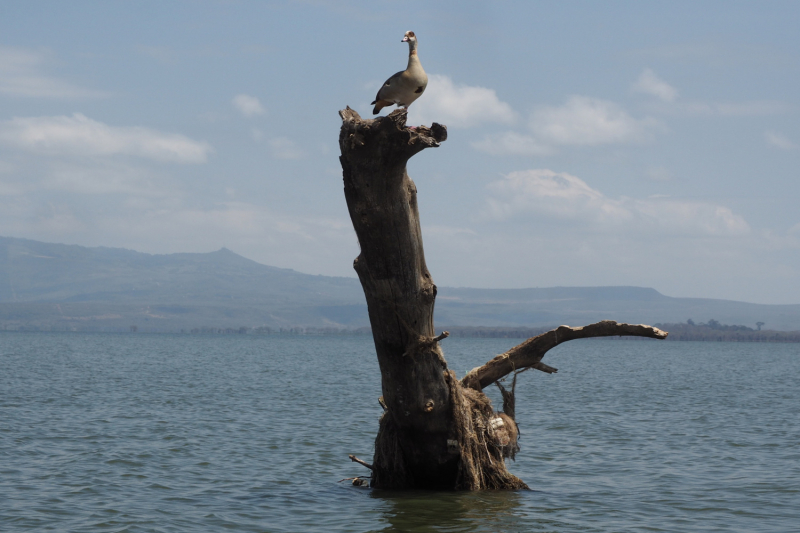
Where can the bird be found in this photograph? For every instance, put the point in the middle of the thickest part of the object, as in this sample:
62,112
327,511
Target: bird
405,86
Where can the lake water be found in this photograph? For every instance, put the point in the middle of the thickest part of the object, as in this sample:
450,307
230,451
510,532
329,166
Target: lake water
180,433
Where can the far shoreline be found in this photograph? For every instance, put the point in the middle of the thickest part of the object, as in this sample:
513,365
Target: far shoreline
677,332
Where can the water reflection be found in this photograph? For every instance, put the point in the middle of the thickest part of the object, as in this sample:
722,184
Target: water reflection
424,511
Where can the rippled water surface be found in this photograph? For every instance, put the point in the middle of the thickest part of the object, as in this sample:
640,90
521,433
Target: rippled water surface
113,433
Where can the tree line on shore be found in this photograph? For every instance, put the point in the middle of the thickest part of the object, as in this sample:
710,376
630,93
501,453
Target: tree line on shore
711,331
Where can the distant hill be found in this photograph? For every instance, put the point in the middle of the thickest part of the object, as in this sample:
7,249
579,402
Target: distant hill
45,284
56,287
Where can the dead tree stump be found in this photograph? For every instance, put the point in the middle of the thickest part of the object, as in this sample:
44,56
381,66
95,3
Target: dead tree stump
436,432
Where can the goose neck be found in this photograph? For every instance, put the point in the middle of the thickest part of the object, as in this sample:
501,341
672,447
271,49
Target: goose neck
413,58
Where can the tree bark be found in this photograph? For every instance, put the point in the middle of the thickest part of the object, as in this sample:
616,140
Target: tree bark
400,293
436,432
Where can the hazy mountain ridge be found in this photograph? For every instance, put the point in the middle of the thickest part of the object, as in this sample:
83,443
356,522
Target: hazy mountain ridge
57,286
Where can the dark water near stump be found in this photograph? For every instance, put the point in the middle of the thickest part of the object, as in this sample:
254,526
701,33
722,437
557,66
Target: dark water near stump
171,433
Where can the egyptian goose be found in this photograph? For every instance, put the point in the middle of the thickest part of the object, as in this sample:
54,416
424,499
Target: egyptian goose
406,86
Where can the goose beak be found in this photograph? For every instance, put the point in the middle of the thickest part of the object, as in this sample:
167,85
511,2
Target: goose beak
405,40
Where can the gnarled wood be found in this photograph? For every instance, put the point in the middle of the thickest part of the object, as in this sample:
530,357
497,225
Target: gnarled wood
436,432
530,353
400,294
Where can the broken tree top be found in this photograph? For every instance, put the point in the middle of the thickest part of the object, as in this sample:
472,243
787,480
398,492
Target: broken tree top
390,129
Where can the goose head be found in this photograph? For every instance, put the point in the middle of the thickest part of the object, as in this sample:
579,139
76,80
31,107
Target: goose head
409,37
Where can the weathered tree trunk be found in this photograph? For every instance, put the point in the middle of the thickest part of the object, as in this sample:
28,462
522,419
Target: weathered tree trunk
436,431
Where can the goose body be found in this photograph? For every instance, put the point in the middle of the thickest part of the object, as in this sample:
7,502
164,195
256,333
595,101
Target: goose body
405,86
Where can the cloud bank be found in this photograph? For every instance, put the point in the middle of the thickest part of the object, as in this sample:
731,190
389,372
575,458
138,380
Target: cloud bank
78,135
460,106
588,121
649,83
561,196
580,121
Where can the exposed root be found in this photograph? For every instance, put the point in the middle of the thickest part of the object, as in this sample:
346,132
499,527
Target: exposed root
509,398
358,481
482,440
482,466
509,418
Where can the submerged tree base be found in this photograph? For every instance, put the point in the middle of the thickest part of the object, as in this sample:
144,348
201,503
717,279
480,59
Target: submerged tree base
477,454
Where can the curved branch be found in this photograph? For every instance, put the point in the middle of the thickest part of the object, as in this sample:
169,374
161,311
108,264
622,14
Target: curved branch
530,353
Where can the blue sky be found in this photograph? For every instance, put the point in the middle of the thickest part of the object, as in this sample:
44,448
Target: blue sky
591,143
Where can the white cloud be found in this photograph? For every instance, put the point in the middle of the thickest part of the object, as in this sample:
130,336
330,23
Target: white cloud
545,191
565,197
459,106
778,140
580,121
688,217
511,143
249,106
82,136
283,148
588,121
35,177
649,83
21,75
